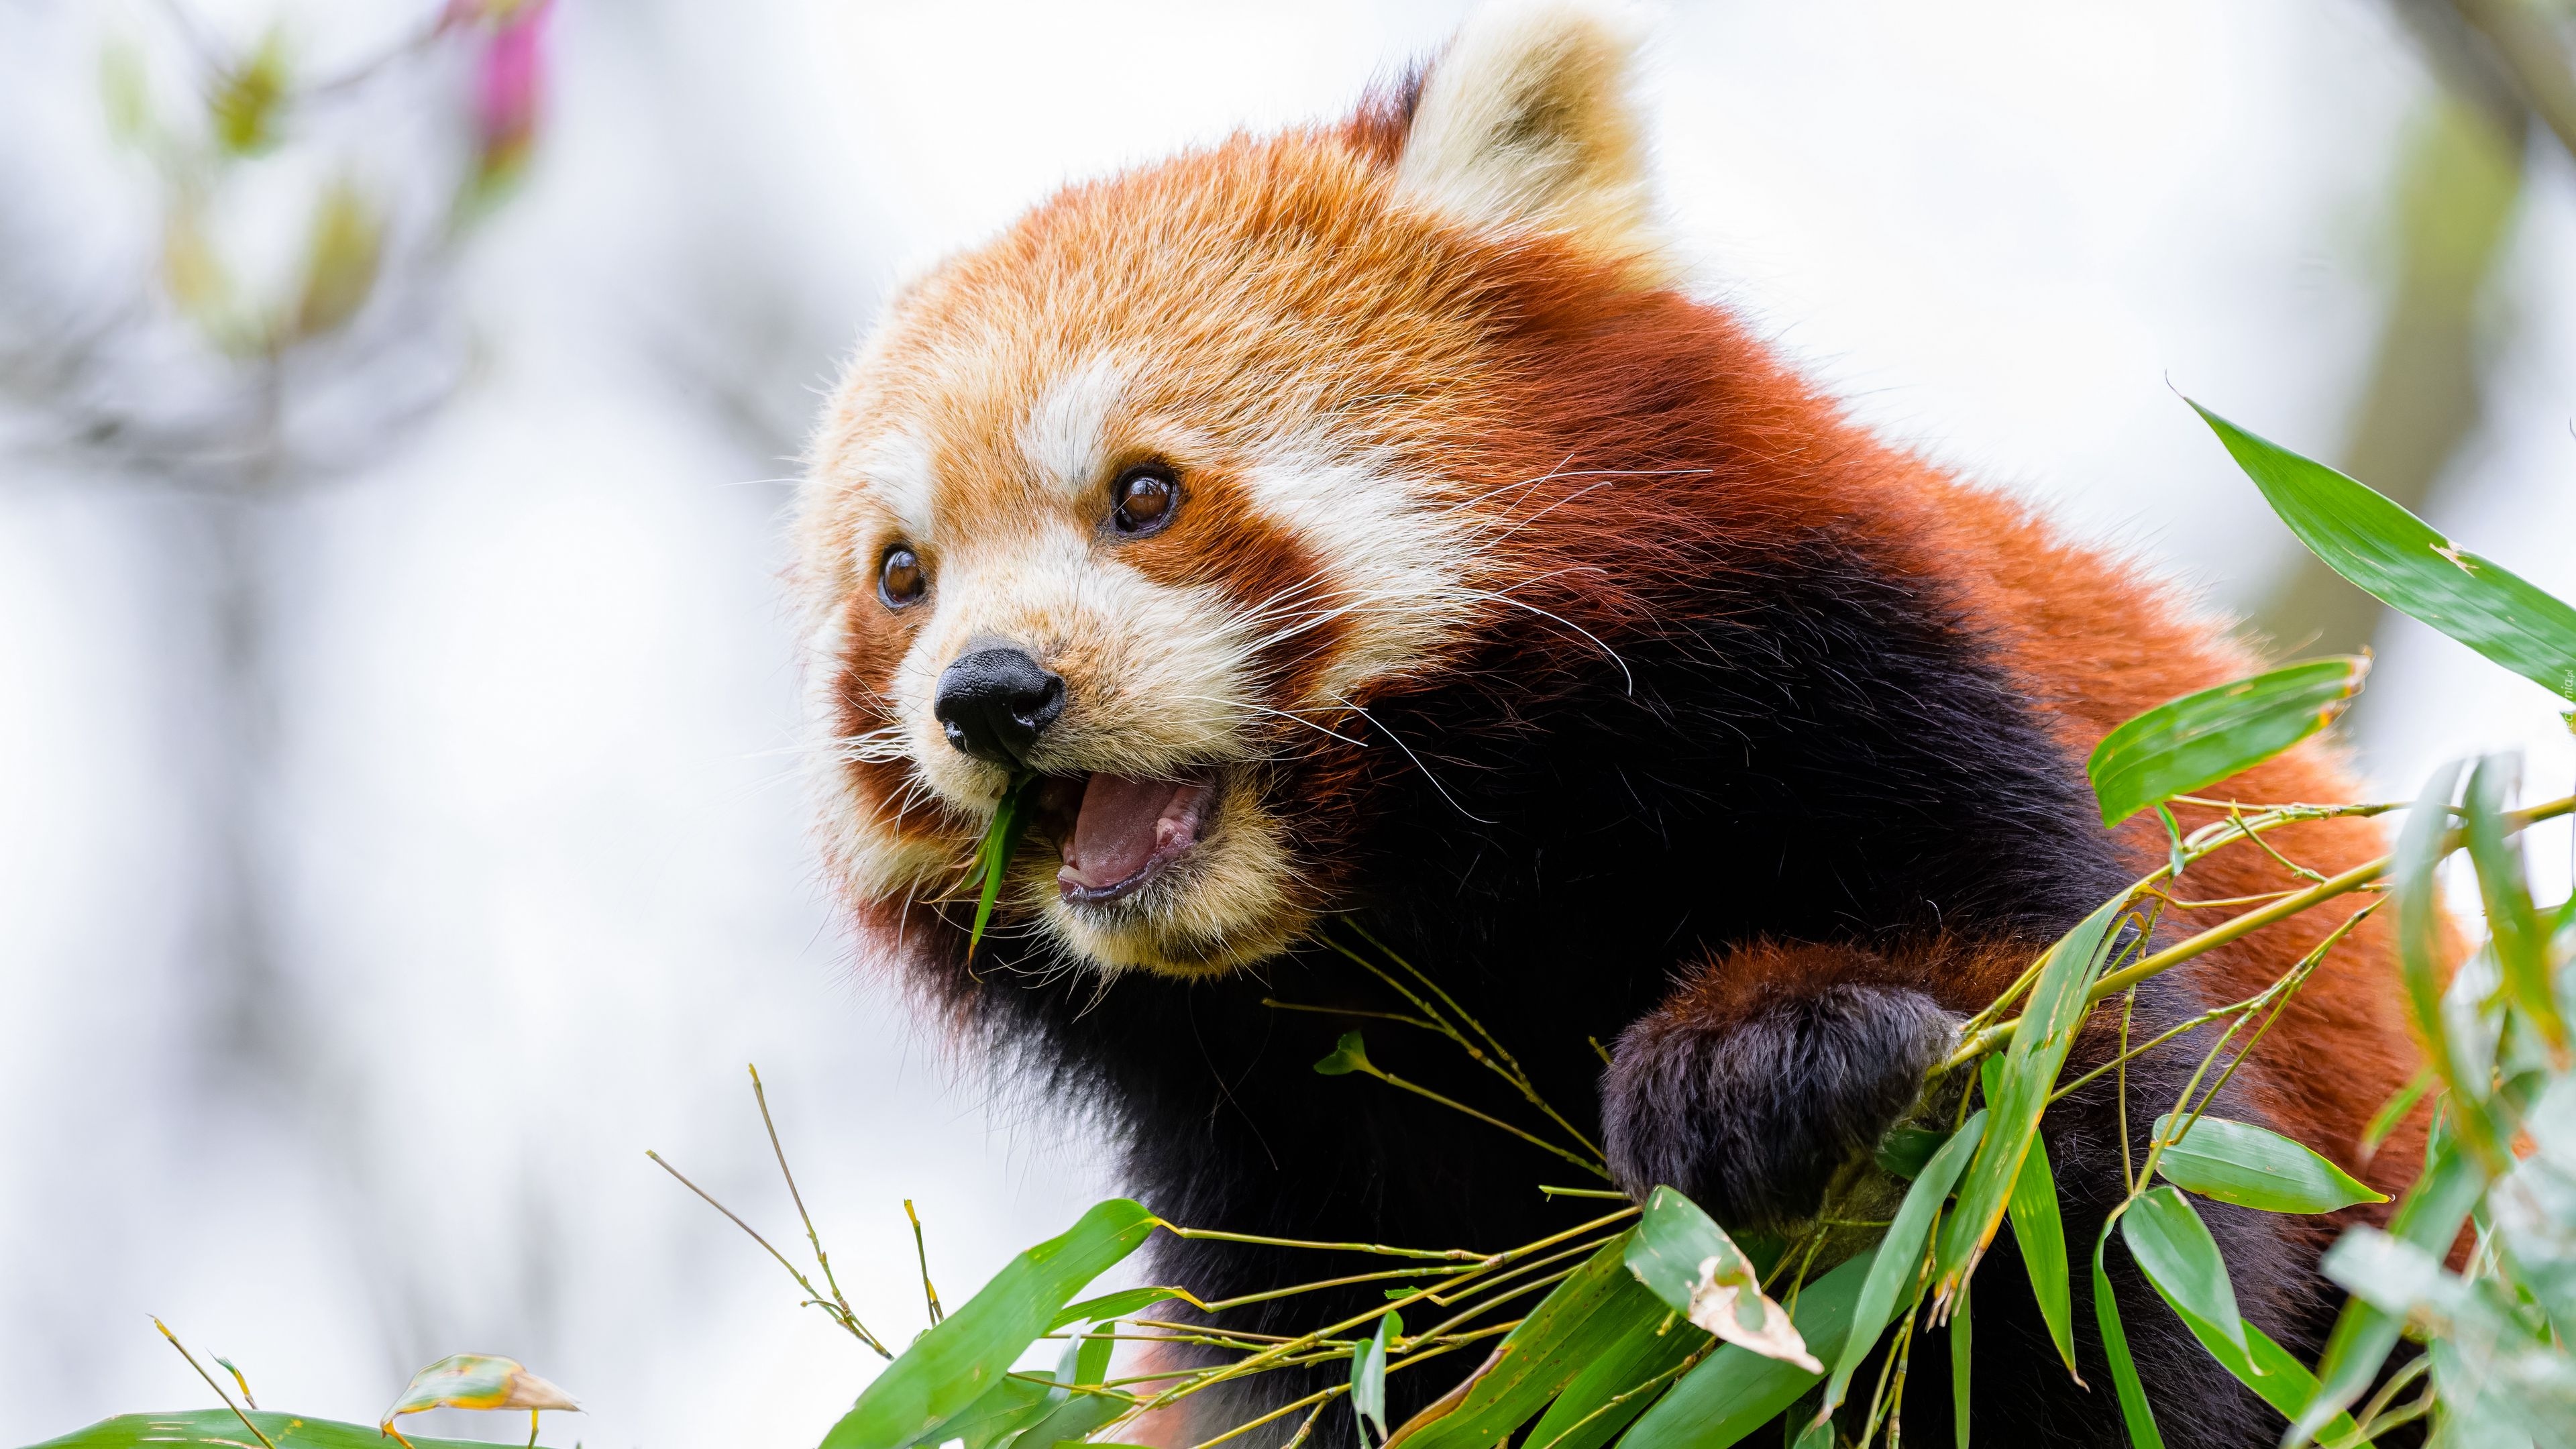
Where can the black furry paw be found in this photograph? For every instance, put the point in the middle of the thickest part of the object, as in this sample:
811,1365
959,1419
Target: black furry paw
1752,1117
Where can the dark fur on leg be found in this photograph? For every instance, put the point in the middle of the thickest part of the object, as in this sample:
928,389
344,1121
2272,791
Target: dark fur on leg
1753,1117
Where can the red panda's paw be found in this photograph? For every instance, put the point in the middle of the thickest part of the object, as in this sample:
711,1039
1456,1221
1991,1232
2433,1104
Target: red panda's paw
1751,1116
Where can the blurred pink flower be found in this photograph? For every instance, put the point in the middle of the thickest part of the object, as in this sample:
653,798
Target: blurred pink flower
509,81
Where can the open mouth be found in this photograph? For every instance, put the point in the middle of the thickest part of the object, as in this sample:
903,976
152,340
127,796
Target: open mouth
1126,832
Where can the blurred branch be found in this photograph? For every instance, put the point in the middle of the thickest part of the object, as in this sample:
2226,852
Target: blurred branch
2505,71
2455,189
2532,50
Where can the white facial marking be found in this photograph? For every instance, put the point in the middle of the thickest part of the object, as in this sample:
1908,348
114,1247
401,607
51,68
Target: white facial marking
898,473
1068,428
1394,556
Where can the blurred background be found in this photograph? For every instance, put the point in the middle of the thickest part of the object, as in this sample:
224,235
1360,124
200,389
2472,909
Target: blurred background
400,823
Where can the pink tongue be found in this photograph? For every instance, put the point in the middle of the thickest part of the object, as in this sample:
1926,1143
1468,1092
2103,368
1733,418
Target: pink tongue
1121,823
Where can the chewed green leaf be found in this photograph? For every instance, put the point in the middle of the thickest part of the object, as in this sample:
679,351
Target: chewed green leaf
2173,1248
1899,1266
219,1429
1735,1391
2256,1167
475,1381
971,1350
2396,556
1685,1259
1673,1237
2042,1236
2197,740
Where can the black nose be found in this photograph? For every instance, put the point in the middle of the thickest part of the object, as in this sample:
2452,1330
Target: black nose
993,703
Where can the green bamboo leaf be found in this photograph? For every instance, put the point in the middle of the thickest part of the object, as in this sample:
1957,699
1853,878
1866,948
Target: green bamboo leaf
2396,556
1070,1421
2399,1278
220,1429
223,1430
1898,1273
2429,1217
2140,1419
2048,1025
1621,1384
1584,1316
993,855
2421,960
2270,1370
2521,940
2183,744
947,1369
2256,1167
345,247
1961,1336
1368,1374
1686,1260
1066,1415
1904,1150
2042,1236
245,99
1000,1412
1350,1054
1120,1304
126,86
1735,1391
2394,1110
2172,1246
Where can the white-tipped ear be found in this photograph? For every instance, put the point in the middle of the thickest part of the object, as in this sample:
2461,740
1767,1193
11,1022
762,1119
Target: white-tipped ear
1527,120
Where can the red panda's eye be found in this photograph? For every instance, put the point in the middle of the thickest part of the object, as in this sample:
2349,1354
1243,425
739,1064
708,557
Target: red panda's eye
1146,498
901,578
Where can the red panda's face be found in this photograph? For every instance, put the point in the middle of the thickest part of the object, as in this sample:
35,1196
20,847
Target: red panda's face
1146,499
1120,508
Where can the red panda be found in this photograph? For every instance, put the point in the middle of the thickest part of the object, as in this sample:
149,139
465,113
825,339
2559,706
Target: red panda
1364,524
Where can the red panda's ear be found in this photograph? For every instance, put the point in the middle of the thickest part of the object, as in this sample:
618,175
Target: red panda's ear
1528,120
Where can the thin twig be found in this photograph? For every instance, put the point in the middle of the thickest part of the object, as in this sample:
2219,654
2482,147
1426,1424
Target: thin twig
210,1380
1503,1064
1258,1241
1351,1011
1269,1357
1221,1304
820,1257
812,1295
2112,983
921,1253
1392,1080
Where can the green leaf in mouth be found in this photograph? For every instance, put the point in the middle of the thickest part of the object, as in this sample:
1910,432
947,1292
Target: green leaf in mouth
993,855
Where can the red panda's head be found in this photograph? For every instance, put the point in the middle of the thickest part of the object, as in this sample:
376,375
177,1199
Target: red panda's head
1151,496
